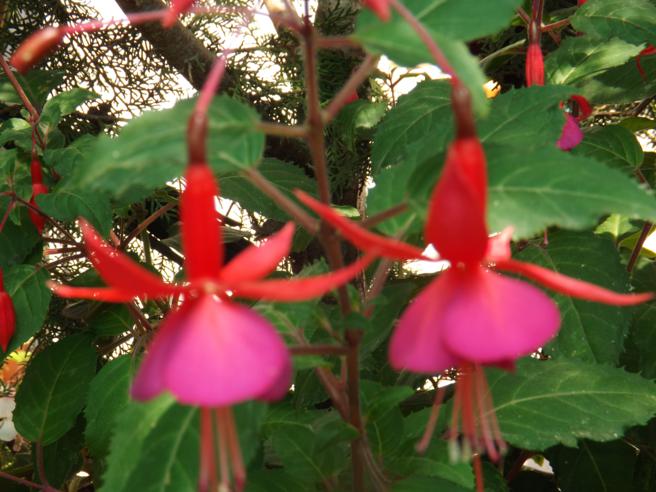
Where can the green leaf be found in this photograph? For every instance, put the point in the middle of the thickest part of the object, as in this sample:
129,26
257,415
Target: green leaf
545,403
397,40
26,286
424,111
169,457
633,21
111,320
584,57
65,160
526,118
287,177
637,124
54,389
108,396
68,205
391,190
622,84
152,149
532,191
63,104
643,334
590,332
63,458
132,429
37,84
17,241
612,145
604,466
423,484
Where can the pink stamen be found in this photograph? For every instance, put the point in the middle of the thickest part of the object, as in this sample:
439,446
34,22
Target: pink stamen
207,476
424,442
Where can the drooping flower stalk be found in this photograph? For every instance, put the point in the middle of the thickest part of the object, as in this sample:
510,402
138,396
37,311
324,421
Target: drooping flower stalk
534,57
38,188
7,316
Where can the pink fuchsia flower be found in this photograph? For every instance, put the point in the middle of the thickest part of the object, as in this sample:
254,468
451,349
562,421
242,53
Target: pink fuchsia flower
572,135
470,315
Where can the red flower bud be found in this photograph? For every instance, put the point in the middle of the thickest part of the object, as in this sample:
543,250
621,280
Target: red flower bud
7,317
36,47
534,65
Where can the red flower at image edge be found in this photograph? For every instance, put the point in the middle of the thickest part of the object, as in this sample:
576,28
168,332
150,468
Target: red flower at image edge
469,315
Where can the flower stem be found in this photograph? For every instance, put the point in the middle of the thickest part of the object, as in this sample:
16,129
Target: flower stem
646,229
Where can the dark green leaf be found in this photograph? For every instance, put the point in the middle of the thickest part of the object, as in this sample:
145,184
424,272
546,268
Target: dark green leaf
63,104
633,21
54,389
26,286
111,320
17,242
584,57
423,484
552,402
612,145
390,190
108,396
287,177
604,466
152,149
589,332
63,458
425,111
131,430
68,205
531,191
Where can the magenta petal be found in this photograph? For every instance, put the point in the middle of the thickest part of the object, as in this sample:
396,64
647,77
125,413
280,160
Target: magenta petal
572,134
416,343
224,354
491,318
149,381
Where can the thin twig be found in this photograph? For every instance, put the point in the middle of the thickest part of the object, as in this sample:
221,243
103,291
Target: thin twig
279,130
145,223
285,203
346,92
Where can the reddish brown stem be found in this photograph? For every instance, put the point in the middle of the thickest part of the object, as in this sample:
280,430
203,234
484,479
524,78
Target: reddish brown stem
644,233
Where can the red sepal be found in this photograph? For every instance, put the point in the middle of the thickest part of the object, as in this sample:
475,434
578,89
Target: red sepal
36,47
584,107
301,289
360,237
257,262
455,225
571,286
119,271
201,231
100,294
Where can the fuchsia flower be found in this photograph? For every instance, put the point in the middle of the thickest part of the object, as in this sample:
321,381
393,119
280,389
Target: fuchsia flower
210,351
470,315
572,135
534,65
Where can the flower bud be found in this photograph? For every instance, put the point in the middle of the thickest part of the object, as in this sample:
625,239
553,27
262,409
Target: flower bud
177,7
36,47
534,65
380,7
